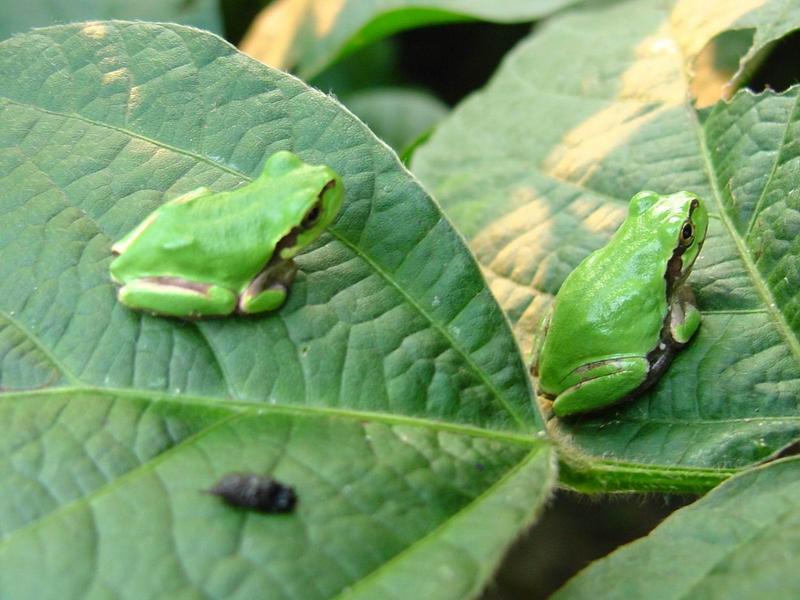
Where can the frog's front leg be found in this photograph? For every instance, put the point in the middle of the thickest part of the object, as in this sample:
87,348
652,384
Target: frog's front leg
177,297
268,290
684,316
597,382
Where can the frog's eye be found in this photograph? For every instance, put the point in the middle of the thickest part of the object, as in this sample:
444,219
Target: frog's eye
312,216
687,234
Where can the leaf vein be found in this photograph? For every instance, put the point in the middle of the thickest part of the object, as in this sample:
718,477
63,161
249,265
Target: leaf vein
120,481
774,169
447,524
41,347
761,289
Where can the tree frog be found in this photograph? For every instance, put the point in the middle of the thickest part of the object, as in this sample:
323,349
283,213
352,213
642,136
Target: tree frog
212,253
623,313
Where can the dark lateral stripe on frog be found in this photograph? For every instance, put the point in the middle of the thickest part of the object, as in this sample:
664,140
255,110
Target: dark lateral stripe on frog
661,356
675,263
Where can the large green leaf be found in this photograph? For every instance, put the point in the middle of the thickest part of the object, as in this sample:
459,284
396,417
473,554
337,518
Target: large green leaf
741,541
536,171
308,35
16,17
388,391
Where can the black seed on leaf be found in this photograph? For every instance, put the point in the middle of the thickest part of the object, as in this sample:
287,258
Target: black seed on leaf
255,492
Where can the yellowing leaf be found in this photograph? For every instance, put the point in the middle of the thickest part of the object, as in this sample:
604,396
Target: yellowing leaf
581,132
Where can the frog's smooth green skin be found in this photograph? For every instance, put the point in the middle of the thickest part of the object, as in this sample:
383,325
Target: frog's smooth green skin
622,314
212,253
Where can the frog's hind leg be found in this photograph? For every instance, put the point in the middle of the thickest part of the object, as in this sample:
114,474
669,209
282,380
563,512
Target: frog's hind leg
175,297
268,290
615,378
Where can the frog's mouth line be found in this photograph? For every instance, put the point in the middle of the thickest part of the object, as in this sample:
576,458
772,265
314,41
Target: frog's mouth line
675,274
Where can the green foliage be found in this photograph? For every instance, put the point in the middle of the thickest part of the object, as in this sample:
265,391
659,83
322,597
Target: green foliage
740,541
535,189
388,391
391,390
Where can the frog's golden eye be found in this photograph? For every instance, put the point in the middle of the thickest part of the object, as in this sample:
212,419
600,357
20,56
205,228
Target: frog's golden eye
687,234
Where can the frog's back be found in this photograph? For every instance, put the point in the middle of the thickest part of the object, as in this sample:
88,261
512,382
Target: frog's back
223,238
609,306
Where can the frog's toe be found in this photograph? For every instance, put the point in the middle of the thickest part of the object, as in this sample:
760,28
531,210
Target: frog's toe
269,299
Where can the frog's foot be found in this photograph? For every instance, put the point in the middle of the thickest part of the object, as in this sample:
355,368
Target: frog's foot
177,297
268,299
268,290
600,381
684,317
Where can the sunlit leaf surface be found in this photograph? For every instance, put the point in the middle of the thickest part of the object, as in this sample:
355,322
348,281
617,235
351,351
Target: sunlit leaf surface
388,391
537,169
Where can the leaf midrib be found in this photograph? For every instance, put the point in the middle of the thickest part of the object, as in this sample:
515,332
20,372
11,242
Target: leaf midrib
128,132
521,423
119,481
264,407
753,273
767,298
240,410
431,536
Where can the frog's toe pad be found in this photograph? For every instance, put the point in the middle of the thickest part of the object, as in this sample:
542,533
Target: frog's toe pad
269,299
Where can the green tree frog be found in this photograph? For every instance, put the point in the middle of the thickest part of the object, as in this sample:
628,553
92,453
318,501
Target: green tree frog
623,313
212,253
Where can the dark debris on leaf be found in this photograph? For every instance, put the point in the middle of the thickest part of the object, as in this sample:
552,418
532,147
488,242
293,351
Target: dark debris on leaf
255,492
